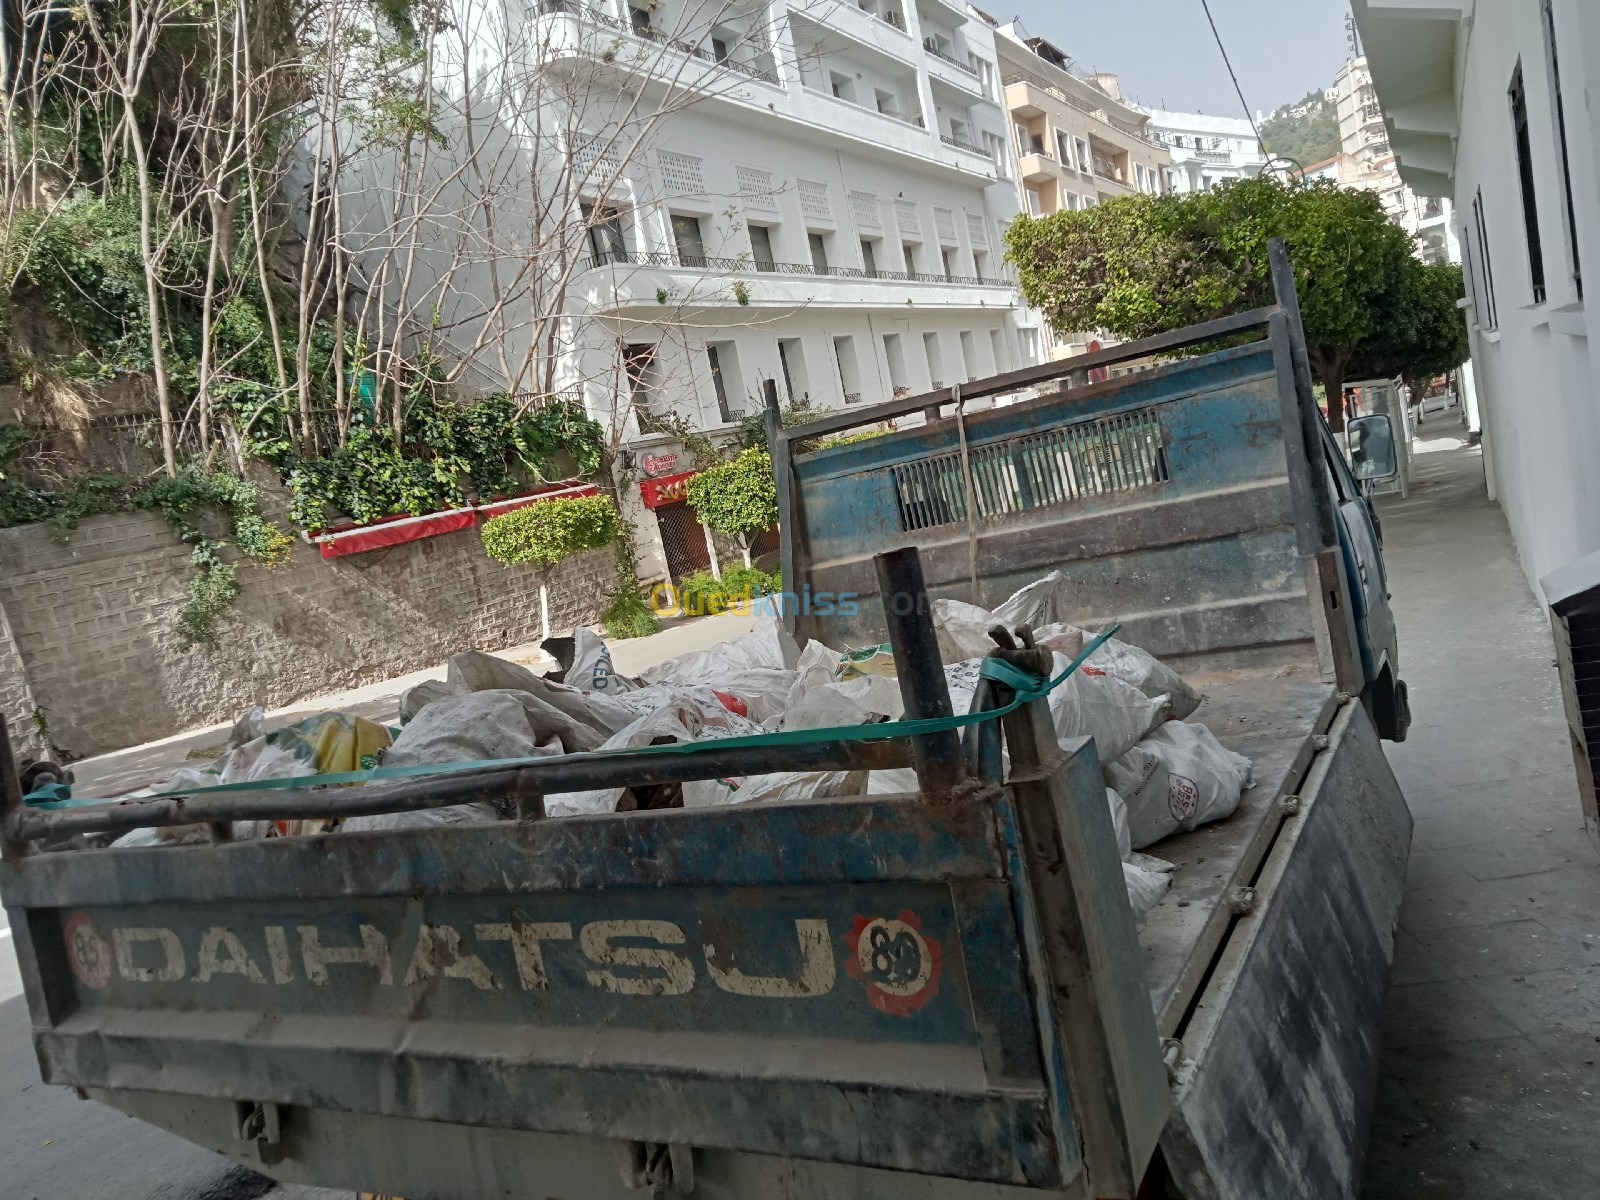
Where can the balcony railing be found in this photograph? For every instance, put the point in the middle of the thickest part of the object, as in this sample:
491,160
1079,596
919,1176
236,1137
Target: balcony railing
963,144
746,266
647,33
932,47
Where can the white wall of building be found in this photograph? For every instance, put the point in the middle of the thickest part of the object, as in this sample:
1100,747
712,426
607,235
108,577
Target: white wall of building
1534,370
853,132
1206,151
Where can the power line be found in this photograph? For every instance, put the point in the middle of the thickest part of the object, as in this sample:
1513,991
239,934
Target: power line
1237,90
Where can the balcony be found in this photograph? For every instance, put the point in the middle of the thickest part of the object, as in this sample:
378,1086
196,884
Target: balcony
1037,167
961,64
746,266
962,144
646,34
637,281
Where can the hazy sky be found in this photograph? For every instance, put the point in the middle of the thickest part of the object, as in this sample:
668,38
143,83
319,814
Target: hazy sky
1165,54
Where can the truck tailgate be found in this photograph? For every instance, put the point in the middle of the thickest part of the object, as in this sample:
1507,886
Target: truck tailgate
751,979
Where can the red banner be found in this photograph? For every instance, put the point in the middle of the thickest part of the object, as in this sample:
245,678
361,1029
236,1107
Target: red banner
393,533
667,490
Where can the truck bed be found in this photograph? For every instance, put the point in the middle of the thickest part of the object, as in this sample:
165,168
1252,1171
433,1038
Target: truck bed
1272,717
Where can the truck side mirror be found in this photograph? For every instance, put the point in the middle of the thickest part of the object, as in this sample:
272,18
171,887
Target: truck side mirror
1372,449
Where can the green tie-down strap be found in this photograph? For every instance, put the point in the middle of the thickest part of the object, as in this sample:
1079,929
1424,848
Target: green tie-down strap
1027,687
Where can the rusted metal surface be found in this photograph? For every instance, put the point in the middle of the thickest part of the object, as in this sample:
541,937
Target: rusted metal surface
1279,1062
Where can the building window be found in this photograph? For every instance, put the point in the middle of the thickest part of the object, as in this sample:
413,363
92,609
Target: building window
1490,314
844,350
1561,143
996,146
792,358
1085,163
720,359
869,258
947,259
639,365
1063,148
761,247
819,252
997,344
969,356
606,242
930,348
908,252
688,241
1530,210
894,355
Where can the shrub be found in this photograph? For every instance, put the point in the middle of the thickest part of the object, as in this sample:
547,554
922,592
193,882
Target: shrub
547,531
738,498
629,616
702,594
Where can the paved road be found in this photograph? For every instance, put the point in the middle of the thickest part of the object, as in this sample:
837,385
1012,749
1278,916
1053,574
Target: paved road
1491,1074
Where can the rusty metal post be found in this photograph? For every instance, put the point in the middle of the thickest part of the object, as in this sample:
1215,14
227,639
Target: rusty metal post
11,793
906,611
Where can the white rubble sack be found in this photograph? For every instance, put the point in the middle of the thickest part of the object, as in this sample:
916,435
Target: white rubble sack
1115,714
475,725
758,668
591,668
1118,659
1147,880
1178,778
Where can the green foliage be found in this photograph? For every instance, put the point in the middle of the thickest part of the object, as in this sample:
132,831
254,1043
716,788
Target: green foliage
446,448
846,439
1144,265
739,497
215,584
753,425
61,508
629,615
703,594
1310,138
13,437
546,532
741,292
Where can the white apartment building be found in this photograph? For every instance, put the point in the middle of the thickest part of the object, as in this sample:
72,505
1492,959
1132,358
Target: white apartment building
807,192
1486,105
1206,151
1366,160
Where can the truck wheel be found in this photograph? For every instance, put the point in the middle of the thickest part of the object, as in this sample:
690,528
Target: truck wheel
1388,703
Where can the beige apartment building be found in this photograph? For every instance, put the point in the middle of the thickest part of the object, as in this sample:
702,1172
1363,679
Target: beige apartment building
1077,142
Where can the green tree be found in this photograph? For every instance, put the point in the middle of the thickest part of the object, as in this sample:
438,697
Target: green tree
738,498
1149,264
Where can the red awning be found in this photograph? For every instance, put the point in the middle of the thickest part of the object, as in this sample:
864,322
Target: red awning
392,531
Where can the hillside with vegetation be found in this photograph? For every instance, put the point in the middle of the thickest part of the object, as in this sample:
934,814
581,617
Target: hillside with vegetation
1309,136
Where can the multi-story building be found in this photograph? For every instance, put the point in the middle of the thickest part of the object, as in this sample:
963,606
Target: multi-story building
1077,142
1486,104
1206,151
1366,160
812,193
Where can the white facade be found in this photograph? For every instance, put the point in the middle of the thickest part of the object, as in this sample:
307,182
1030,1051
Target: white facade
1206,151
810,192
1474,111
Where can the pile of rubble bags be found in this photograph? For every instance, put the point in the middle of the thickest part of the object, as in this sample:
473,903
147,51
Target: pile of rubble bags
1163,774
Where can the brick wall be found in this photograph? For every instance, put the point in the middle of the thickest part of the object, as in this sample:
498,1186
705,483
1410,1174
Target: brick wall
91,624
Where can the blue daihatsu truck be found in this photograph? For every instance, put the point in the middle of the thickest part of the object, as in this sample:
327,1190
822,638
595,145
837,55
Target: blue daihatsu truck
939,994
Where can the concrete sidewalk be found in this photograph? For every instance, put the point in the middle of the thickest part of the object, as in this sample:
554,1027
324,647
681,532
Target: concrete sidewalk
154,762
1490,1083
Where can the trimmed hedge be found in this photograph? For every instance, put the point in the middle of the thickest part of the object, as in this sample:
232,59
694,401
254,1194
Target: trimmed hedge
548,531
